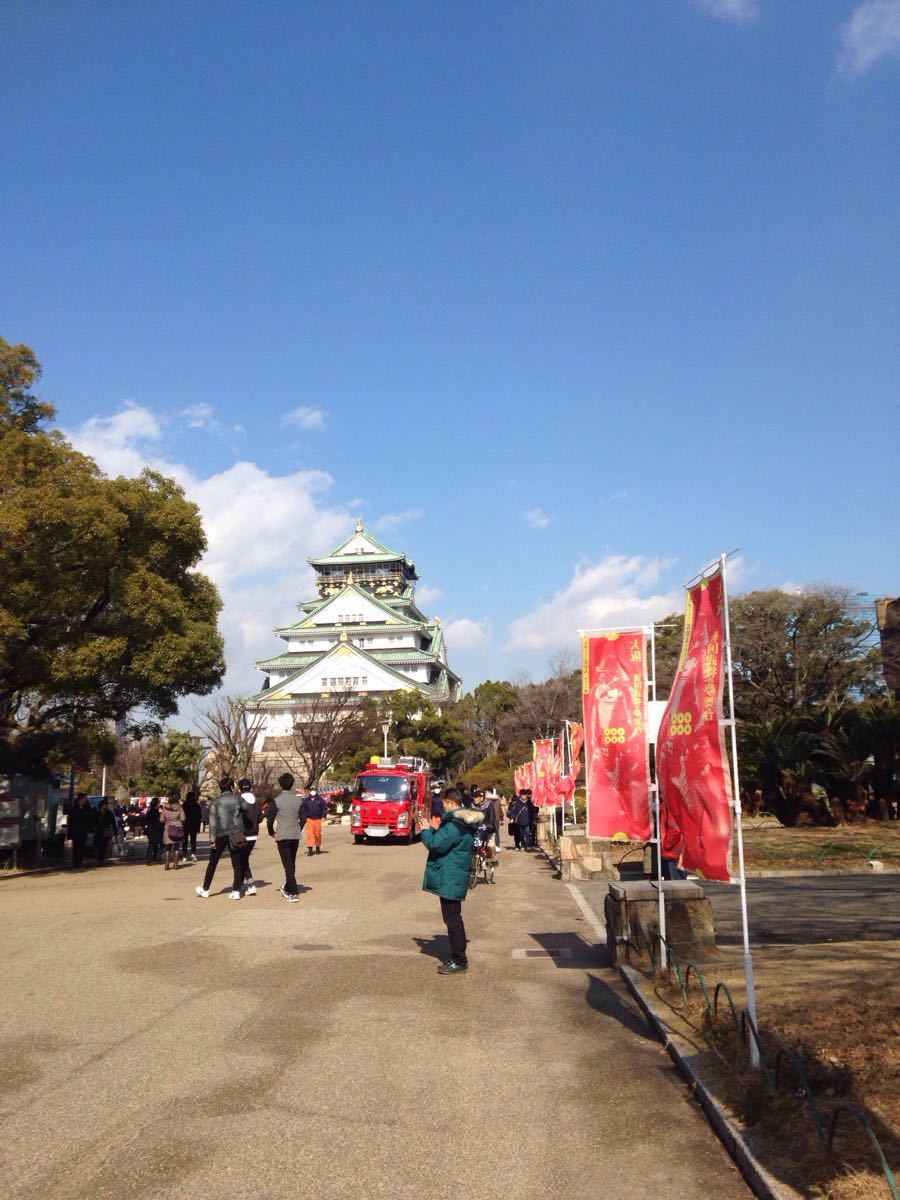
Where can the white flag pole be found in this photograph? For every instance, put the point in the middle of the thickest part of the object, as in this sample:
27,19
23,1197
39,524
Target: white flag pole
573,772
663,953
748,957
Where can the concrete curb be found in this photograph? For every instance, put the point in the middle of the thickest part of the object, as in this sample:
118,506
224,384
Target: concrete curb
799,874
764,1185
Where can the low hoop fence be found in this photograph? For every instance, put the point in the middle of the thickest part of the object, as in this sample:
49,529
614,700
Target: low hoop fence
785,1058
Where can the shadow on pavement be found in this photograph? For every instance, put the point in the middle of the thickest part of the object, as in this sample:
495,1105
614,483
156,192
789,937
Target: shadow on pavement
434,947
581,953
604,999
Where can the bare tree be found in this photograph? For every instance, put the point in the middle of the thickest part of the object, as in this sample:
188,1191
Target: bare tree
542,707
126,767
231,730
330,724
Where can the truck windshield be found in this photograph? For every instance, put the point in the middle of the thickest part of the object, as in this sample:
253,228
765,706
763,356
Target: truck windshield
382,787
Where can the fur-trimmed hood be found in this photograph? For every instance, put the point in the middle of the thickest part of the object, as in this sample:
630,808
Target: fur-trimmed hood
471,817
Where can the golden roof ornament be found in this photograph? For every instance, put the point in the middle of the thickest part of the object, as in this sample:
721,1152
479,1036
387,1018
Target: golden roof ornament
359,525
344,637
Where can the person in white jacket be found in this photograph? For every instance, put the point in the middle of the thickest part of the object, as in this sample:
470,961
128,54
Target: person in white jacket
251,817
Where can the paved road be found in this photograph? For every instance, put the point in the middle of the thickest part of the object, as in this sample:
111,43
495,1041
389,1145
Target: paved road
158,1046
806,909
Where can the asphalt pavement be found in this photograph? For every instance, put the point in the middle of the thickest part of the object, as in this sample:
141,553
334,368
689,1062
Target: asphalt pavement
809,909
158,1046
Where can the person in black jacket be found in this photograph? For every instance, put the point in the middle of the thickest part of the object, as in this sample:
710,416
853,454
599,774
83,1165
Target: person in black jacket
82,821
532,820
191,810
153,827
105,831
517,811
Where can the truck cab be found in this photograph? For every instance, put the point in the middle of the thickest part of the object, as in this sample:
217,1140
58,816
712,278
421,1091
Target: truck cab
388,797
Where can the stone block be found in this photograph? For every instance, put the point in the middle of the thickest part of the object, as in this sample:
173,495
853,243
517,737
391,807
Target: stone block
634,906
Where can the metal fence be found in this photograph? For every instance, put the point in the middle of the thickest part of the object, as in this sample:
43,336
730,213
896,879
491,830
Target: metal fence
826,1124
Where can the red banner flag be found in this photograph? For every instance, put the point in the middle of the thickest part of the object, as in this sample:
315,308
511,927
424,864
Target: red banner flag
617,754
691,770
543,772
527,776
576,741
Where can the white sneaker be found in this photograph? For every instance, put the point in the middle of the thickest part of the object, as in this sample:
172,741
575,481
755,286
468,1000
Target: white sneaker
293,899
251,890
201,891
193,858
234,896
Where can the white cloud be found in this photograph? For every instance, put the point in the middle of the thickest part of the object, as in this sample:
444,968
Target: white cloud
466,634
389,520
619,590
120,443
199,416
260,529
731,10
536,517
427,595
872,33
305,417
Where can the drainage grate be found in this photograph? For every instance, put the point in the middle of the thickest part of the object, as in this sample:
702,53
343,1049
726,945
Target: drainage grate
552,952
313,946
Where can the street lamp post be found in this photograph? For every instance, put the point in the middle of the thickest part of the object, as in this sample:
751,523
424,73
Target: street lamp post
385,727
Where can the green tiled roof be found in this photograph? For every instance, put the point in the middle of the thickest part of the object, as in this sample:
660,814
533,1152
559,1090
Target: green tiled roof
264,697
336,552
364,595
298,661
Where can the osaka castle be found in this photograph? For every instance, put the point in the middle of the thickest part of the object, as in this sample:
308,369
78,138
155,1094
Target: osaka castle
362,634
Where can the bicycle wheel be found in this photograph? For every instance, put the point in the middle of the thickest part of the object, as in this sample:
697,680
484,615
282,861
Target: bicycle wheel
489,868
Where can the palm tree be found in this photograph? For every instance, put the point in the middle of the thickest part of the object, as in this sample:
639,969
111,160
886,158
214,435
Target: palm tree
880,720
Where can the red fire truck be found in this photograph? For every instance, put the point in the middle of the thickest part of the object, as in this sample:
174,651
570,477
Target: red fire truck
388,796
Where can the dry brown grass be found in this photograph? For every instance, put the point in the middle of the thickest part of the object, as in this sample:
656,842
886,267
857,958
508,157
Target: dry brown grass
769,846
840,1014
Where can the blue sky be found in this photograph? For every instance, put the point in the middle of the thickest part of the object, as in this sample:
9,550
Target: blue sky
561,298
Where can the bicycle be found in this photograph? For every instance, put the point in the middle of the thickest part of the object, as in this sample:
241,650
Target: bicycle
484,864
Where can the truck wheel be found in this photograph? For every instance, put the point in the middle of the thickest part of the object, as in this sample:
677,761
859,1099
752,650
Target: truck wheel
359,838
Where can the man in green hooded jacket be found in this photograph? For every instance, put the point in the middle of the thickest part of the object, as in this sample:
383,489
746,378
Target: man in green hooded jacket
450,848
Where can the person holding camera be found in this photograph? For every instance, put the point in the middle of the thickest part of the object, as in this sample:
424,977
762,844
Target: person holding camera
450,849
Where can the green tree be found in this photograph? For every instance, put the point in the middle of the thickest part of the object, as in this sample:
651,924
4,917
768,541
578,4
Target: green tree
492,772
101,609
170,762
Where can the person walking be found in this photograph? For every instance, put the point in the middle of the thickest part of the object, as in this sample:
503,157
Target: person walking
153,827
285,808
204,815
226,832
80,823
497,805
315,810
517,811
192,819
532,820
251,818
450,849
105,831
173,830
